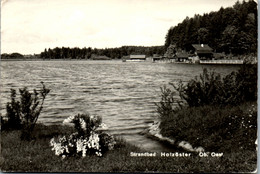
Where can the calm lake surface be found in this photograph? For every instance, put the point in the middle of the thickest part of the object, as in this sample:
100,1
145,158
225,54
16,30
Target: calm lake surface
123,93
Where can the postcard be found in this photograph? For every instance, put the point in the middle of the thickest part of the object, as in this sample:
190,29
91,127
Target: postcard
145,86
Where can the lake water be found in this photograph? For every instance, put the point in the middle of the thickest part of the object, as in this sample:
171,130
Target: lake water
123,93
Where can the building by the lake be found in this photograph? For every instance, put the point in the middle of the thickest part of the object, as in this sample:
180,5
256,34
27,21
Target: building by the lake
134,58
203,51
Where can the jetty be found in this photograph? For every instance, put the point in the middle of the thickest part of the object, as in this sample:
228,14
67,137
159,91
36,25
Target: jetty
231,62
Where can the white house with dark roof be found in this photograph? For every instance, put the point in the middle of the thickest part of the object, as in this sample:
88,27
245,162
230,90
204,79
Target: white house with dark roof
203,51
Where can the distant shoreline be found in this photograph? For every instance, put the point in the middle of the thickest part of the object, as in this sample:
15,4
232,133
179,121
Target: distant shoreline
40,59
20,59
209,62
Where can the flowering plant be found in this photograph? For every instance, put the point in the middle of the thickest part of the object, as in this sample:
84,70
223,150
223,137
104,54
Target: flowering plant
89,138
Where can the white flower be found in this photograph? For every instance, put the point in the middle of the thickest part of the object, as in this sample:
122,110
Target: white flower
93,141
52,142
67,149
58,149
84,150
63,139
102,126
69,119
79,145
82,124
98,153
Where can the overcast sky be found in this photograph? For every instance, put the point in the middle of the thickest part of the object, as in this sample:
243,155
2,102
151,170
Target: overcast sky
30,26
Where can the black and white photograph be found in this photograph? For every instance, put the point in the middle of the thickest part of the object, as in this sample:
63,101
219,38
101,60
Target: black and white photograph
133,86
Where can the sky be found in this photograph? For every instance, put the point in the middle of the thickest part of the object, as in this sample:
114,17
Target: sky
30,26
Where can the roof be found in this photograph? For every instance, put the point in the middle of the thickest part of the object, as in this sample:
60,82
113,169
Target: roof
137,56
125,57
202,48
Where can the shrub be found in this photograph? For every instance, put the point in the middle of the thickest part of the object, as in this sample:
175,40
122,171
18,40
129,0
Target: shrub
215,115
219,129
88,138
246,82
13,112
211,89
166,105
84,124
24,114
204,90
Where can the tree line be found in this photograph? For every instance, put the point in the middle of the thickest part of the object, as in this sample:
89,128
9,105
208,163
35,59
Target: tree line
231,30
88,53
11,56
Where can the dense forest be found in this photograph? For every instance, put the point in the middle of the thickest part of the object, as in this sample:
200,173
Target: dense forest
87,53
231,30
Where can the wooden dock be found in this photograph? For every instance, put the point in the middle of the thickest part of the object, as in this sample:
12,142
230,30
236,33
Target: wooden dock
232,62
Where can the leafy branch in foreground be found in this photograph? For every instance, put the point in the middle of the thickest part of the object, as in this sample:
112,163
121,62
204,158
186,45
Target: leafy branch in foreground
166,105
24,113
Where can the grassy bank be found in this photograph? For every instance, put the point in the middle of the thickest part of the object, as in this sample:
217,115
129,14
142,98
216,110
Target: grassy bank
36,156
225,129
216,113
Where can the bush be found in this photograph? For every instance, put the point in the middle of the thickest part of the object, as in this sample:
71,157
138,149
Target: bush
216,115
87,140
13,113
204,90
166,105
217,129
246,82
211,89
23,114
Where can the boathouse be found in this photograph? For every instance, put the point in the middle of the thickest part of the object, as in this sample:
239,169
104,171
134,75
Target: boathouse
138,57
157,57
203,51
97,57
182,57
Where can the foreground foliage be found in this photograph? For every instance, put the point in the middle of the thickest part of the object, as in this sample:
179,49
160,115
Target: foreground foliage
215,113
87,140
36,156
224,129
211,89
24,113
